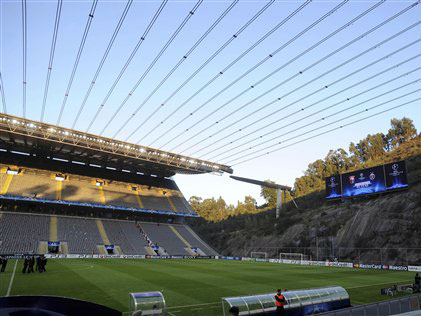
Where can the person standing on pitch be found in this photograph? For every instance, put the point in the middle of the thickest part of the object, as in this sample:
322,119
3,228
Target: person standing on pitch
3,261
418,282
280,302
31,264
25,264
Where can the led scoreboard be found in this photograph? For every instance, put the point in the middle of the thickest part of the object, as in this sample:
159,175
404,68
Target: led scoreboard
373,180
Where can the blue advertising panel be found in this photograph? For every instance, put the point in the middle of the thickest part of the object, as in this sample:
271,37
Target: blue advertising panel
396,176
333,187
367,181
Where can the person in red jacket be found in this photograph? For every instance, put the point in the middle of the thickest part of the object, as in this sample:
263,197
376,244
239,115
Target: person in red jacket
280,302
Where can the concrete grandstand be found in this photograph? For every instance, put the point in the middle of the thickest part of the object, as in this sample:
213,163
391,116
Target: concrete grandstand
67,196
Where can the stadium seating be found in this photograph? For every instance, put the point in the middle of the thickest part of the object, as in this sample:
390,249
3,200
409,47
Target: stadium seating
162,235
120,194
180,203
20,233
127,236
80,189
32,184
82,235
194,240
41,184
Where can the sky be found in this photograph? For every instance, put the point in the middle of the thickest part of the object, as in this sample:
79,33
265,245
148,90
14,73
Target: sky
225,81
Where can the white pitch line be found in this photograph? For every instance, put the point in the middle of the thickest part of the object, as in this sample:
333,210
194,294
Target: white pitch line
368,285
11,279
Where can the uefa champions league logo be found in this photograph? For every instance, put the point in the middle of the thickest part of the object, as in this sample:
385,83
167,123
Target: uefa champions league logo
372,176
395,168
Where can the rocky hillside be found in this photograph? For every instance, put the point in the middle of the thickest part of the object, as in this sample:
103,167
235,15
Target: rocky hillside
350,230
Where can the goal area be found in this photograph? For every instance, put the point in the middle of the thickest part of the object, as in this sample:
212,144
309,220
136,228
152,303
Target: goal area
294,256
259,255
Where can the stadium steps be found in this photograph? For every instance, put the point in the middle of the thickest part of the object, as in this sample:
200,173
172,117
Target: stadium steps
43,247
6,180
64,248
101,250
179,236
59,189
6,184
102,195
150,251
139,200
53,229
201,252
195,240
162,235
190,251
171,204
102,231
117,250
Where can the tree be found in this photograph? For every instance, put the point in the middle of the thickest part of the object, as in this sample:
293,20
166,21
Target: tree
269,194
401,131
246,207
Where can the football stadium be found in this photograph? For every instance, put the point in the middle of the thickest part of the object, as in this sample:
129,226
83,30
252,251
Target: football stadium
210,158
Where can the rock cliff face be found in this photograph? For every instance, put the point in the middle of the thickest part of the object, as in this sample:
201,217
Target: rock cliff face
377,229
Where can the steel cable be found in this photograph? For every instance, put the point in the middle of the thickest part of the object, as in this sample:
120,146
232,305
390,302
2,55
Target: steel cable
52,51
183,59
261,62
78,56
128,61
329,131
104,57
290,78
146,72
323,88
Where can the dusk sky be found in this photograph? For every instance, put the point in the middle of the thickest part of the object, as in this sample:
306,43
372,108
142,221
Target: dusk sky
293,70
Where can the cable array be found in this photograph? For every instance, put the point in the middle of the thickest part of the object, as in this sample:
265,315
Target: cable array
321,89
300,73
79,53
329,131
330,107
3,95
146,72
24,55
104,57
183,59
292,77
215,54
128,61
250,70
52,51
251,129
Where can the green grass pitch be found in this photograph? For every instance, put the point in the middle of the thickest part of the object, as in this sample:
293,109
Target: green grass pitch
190,287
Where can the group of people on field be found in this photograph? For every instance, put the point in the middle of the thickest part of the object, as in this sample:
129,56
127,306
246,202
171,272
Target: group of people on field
29,262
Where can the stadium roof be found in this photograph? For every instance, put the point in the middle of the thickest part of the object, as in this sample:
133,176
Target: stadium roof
26,136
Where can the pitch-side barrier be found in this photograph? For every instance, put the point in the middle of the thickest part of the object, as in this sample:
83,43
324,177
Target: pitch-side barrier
236,258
